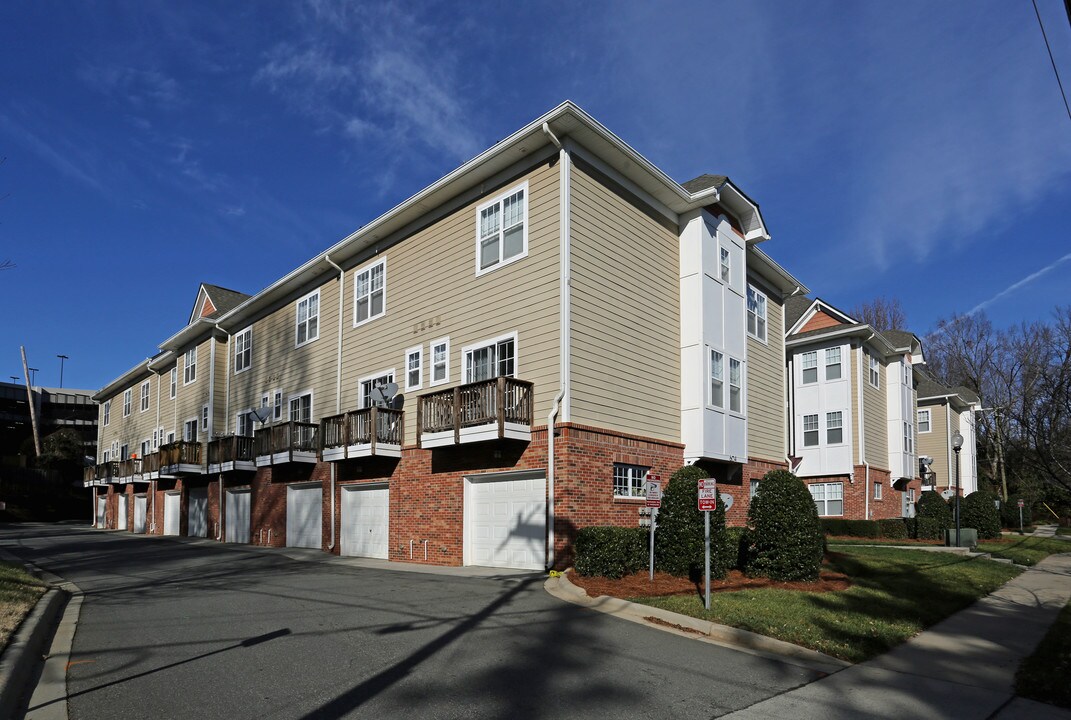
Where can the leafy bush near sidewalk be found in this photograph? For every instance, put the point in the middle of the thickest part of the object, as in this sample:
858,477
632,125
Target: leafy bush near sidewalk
894,528
611,552
1043,676
679,542
784,531
19,592
980,512
933,516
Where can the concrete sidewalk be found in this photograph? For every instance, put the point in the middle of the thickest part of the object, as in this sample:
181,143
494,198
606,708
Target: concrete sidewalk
962,668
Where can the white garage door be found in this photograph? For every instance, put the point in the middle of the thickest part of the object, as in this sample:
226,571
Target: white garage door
365,522
197,513
120,521
506,520
304,516
102,508
140,506
172,513
238,516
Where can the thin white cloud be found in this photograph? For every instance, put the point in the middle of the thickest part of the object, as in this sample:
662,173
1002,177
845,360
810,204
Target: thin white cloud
138,87
63,159
1020,284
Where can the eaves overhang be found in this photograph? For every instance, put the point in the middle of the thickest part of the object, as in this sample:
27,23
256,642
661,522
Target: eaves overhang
124,381
864,331
191,333
774,274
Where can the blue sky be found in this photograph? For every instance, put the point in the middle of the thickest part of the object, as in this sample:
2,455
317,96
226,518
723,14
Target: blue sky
916,150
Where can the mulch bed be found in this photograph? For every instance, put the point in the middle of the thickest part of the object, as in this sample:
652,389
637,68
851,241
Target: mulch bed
638,585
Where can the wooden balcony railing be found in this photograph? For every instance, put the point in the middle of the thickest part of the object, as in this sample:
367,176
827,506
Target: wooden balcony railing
298,440
107,470
130,468
150,464
180,453
503,405
229,449
365,431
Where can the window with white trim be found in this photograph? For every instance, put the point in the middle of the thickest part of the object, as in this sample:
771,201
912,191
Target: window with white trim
145,444
204,418
756,313
502,230
628,480
277,405
189,366
907,373
174,382
495,358
370,293
753,490
369,383
874,369
834,428
126,402
717,379
189,430
243,350
301,408
909,438
145,396
156,438
243,424
308,318
124,452
736,385
725,268
107,454
810,431
878,488
107,412
170,437
414,367
809,366
828,498
440,361
924,421
833,367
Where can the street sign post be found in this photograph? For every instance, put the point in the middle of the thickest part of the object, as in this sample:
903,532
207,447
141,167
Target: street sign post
1021,504
652,490
708,501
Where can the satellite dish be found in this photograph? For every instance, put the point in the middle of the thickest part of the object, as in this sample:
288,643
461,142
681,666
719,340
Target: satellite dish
383,394
397,402
261,415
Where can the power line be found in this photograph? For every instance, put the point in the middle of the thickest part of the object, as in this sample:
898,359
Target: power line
1053,61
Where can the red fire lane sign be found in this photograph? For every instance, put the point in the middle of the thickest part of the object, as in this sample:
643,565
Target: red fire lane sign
708,495
653,490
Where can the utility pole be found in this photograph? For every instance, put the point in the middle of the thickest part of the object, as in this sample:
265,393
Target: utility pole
29,396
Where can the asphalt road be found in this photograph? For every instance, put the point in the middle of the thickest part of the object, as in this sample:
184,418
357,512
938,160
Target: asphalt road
178,629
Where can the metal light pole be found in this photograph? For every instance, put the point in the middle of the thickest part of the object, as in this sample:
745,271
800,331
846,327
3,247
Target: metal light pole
14,379
61,359
33,375
957,445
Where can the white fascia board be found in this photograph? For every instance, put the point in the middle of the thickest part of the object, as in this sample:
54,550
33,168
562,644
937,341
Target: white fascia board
832,334
768,269
744,207
807,315
191,332
120,383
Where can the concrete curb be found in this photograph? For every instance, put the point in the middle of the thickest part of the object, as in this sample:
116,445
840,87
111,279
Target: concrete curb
26,648
561,588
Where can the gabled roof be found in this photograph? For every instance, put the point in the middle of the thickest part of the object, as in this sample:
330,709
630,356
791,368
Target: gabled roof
214,301
902,338
930,389
795,307
704,182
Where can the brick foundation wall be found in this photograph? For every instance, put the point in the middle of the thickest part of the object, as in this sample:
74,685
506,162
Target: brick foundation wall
859,495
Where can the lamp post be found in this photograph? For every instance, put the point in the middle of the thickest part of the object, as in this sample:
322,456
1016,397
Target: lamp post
957,445
33,375
61,359
14,379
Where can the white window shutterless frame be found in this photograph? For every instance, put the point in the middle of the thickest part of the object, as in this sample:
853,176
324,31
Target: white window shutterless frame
502,229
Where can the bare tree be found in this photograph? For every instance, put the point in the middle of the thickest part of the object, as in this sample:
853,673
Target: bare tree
881,313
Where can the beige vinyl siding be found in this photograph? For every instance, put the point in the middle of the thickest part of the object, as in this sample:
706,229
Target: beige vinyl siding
167,404
279,364
936,443
766,384
191,398
625,311
224,364
433,292
130,430
875,416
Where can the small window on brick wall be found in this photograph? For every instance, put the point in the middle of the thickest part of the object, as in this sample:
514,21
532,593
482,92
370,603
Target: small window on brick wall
628,480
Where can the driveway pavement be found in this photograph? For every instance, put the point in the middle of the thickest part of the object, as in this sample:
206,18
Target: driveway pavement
173,628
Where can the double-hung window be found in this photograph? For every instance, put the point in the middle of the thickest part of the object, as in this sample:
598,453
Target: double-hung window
277,405
414,368
126,402
370,293
189,366
628,480
874,369
107,412
145,396
877,489
494,358
243,350
924,421
833,366
308,318
736,385
204,418
834,428
243,424
502,230
144,449
440,361
717,379
189,430
368,384
828,498
174,382
301,408
756,313
909,438
810,430
725,267
809,365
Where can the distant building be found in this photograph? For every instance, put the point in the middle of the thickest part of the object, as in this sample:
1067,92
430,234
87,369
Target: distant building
56,408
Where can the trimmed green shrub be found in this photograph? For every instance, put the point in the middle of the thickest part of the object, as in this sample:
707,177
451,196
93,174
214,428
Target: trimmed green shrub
933,507
1009,514
980,512
834,526
679,544
929,528
786,540
851,528
735,548
611,552
893,528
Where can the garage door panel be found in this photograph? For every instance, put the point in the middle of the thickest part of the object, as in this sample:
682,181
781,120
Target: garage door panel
141,506
120,521
506,522
237,509
365,522
172,513
304,517
197,513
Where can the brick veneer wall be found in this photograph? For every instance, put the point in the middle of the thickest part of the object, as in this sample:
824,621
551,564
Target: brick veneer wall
858,494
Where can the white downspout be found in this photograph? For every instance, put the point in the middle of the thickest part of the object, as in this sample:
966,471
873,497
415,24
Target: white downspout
562,399
338,381
227,385
219,523
212,385
860,424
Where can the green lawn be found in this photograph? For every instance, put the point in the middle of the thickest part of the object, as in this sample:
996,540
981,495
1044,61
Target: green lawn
895,594
1063,531
1025,550
832,540
19,592
1044,675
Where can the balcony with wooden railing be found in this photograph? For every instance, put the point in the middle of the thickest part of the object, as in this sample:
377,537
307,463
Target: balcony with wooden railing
231,452
129,470
485,410
150,466
362,433
181,458
286,443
